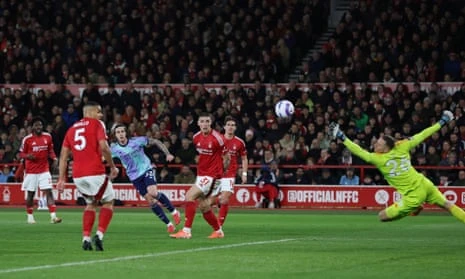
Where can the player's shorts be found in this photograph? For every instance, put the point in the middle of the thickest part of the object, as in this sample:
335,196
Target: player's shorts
142,182
32,181
207,184
426,192
226,185
95,188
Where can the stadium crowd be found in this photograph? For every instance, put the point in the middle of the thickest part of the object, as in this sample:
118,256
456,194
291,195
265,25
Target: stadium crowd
240,42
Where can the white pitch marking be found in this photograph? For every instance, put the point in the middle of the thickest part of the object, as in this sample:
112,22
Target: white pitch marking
154,255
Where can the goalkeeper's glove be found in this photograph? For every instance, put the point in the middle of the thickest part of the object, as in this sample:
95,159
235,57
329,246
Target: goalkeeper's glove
446,117
334,132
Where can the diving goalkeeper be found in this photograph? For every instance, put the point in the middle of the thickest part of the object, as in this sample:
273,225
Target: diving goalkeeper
392,158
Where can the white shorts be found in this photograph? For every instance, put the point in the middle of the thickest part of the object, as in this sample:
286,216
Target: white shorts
226,185
207,184
95,187
33,181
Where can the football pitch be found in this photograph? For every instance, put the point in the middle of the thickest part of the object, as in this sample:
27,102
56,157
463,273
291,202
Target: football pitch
258,244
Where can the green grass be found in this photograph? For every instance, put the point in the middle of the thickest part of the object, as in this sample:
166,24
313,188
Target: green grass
258,244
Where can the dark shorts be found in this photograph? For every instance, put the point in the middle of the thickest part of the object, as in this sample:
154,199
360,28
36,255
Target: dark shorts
142,182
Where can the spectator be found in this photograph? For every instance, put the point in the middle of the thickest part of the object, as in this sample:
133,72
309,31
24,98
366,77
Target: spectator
326,178
346,158
92,94
460,181
185,176
7,175
300,178
9,154
327,159
444,181
349,178
186,154
450,162
288,160
432,157
70,115
165,176
368,180
287,142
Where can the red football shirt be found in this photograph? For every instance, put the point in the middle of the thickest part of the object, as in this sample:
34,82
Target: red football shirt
236,149
83,140
41,146
211,149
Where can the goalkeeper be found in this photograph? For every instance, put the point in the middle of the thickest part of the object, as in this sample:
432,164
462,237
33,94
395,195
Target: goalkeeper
392,158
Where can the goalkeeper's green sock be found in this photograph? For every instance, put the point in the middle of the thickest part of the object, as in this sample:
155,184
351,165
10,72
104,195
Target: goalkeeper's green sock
458,213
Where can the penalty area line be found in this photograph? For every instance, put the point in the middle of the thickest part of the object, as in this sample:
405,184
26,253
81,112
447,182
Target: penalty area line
151,255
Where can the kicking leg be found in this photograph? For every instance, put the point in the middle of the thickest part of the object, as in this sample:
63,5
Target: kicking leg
163,199
159,212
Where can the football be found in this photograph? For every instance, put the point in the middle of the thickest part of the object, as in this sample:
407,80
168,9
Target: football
284,109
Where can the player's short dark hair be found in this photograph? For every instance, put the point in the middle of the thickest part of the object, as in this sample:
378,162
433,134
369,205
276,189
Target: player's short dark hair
91,104
390,141
38,119
229,118
205,114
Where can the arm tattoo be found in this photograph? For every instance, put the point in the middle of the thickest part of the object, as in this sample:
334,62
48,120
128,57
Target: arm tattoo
160,145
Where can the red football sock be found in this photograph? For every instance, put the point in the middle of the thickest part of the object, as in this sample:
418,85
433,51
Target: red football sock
88,219
211,219
191,206
29,210
52,208
223,213
104,219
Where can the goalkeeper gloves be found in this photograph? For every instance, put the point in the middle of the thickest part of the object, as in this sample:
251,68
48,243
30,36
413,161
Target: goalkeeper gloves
446,117
335,133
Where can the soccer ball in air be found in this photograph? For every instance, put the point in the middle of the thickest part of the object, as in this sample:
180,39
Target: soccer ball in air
284,109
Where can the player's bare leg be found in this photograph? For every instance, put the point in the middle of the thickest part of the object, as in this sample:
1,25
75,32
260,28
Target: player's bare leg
158,211
191,196
456,211
52,207
30,207
152,190
224,206
88,220
105,216
209,216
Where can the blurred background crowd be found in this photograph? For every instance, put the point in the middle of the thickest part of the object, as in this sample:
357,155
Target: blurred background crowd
254,47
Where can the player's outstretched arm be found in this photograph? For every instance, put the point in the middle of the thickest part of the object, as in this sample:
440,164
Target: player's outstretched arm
162,147
416,139
336,133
